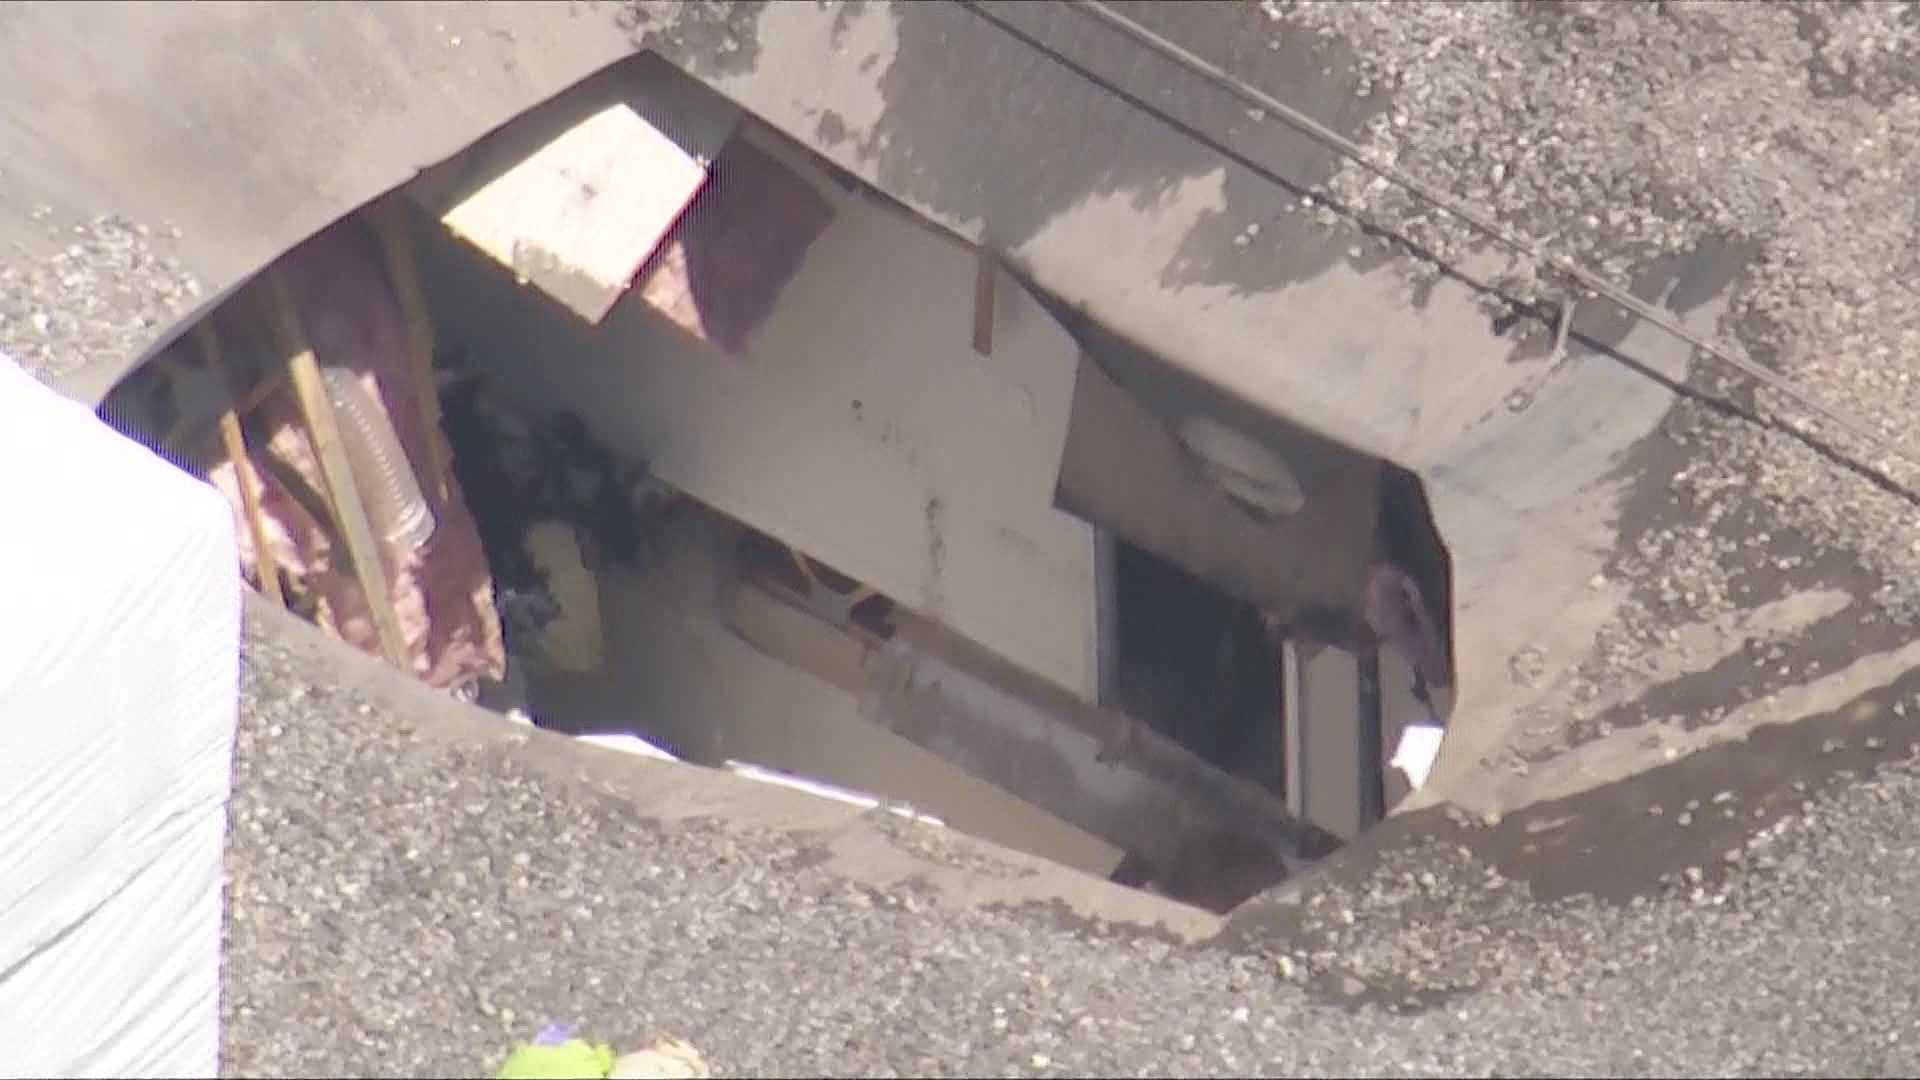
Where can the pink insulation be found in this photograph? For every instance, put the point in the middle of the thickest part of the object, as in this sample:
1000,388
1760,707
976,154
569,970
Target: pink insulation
442,591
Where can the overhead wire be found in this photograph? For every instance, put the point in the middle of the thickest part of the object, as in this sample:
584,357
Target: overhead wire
1587,279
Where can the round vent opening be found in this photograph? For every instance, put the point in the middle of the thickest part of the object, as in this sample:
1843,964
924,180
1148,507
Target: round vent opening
1249,472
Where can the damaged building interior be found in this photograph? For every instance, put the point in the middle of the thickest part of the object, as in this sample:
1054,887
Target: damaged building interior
638,419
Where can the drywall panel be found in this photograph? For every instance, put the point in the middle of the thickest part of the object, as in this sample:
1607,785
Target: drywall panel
859,426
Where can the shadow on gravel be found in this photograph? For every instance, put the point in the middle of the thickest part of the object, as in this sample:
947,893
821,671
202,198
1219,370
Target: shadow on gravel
1640,836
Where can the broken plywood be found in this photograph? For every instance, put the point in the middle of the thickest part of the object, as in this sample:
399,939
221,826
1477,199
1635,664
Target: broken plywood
720,274
582,214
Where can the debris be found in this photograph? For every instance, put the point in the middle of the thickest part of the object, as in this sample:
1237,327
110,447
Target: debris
555,1055
621,741
573,641
668,1059
1419,746
552,507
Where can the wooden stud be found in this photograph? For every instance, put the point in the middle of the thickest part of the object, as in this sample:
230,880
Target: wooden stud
349,512
986,273
390,227
270,384
264,562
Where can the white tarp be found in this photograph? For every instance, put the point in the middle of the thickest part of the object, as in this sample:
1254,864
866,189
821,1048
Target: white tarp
119,671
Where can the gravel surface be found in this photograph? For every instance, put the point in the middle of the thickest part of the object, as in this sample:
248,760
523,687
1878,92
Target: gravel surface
106,290
410,906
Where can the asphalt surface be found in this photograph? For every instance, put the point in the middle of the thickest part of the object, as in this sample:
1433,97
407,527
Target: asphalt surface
407,896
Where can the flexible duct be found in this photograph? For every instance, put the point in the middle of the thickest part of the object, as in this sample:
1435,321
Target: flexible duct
397,508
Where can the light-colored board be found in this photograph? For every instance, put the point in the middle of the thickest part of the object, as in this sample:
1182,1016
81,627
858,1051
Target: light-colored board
580,216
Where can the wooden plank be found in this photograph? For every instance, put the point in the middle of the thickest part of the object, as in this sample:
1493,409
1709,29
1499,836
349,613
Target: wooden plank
389,221
796,637
985,277
1097,768
270,384
265,565
581,215
349,512
1325,735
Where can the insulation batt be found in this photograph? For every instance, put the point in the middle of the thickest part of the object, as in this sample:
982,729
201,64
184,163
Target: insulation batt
442,592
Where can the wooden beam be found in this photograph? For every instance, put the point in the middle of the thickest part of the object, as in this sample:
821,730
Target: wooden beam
270,383
264,563
985,279
349,512
1098,769
390,226
1044,744
799,638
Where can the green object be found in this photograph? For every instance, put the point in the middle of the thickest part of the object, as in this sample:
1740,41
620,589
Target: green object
575,1059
